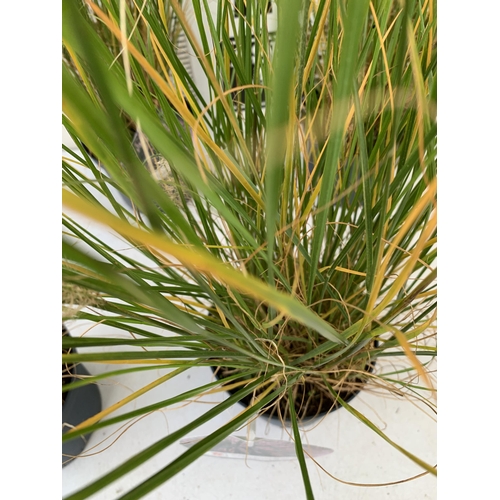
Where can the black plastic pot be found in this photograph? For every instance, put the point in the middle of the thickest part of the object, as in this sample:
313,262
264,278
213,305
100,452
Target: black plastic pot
79,405
271,413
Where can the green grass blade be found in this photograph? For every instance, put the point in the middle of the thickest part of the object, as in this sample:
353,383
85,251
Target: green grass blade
367,190
279,115
298,448
374,428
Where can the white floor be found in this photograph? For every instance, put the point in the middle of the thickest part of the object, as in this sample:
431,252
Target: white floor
358,454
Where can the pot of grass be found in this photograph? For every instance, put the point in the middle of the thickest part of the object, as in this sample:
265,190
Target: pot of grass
296,244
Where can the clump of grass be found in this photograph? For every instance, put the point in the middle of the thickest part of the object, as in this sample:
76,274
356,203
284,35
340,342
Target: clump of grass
290,228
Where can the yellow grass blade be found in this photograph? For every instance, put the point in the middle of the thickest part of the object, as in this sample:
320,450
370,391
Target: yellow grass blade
104,413
205,263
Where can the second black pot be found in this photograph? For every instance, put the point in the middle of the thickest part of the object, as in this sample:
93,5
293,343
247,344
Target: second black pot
79,405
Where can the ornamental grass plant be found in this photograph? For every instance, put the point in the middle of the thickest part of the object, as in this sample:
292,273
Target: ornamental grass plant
284,205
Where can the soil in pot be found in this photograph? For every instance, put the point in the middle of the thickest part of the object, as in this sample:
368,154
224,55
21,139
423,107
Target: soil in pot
312,398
